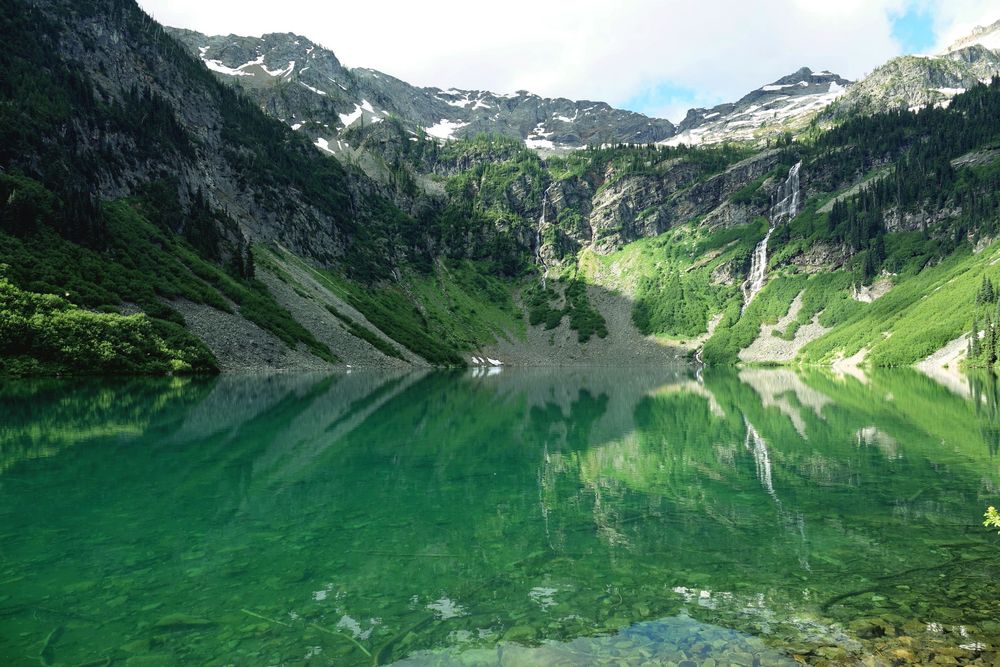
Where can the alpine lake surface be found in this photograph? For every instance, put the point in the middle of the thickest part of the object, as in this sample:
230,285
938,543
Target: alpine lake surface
487,517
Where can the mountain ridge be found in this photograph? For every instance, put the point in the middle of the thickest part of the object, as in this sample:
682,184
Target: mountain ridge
788,104
362,95
985,35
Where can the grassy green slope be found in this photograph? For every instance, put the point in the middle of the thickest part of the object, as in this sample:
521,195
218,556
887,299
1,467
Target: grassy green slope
440,316
669,277
916,317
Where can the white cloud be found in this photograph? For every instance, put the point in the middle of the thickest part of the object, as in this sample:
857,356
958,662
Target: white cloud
958,18
585,49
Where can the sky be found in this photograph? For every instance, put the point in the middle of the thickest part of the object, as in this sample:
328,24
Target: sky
658,57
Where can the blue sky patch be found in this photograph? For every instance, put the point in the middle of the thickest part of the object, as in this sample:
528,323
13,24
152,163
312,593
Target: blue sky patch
914,29
667,100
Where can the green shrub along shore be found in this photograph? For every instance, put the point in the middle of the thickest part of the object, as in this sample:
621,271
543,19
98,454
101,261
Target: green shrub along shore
42,334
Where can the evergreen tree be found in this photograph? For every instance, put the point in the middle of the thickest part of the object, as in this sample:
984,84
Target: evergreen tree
991,343
974,344
986,294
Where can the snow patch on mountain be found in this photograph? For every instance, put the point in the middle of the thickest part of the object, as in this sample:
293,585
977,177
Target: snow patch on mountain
349,119
445,129
278,72
218,66
539,143
787,104
315,90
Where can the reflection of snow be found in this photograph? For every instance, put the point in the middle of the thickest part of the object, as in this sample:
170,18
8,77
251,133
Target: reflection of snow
445,608
871,436
543,597
323,593
352,626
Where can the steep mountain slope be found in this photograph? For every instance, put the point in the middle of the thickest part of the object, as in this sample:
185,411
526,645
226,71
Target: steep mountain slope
153,218
134,182
305,85
916,81
786,105
141,112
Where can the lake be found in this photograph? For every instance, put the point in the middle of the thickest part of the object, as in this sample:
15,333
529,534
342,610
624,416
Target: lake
514,517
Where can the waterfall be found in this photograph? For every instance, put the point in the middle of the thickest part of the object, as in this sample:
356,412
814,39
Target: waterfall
538,235
783,209
758,271
787,198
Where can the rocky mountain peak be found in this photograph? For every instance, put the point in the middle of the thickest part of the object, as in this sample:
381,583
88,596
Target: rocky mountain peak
986,36
305,85
917,81
785,104
805,77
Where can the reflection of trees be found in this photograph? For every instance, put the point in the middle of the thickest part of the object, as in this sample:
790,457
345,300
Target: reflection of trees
986,397
780,444
559,436
485,489
42,417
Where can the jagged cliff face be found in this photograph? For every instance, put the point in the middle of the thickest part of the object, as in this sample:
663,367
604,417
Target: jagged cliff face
179,125
623,208
305,85
641,207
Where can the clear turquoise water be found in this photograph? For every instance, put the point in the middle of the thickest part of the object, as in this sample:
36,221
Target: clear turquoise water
529,517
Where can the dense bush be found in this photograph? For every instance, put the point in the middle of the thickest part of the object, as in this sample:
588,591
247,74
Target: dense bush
583,317
43,333
674,303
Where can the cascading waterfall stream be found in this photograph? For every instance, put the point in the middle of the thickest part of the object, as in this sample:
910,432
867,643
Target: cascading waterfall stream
538,235
758,270
785,207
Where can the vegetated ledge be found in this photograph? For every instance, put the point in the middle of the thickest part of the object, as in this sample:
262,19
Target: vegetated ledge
43,334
